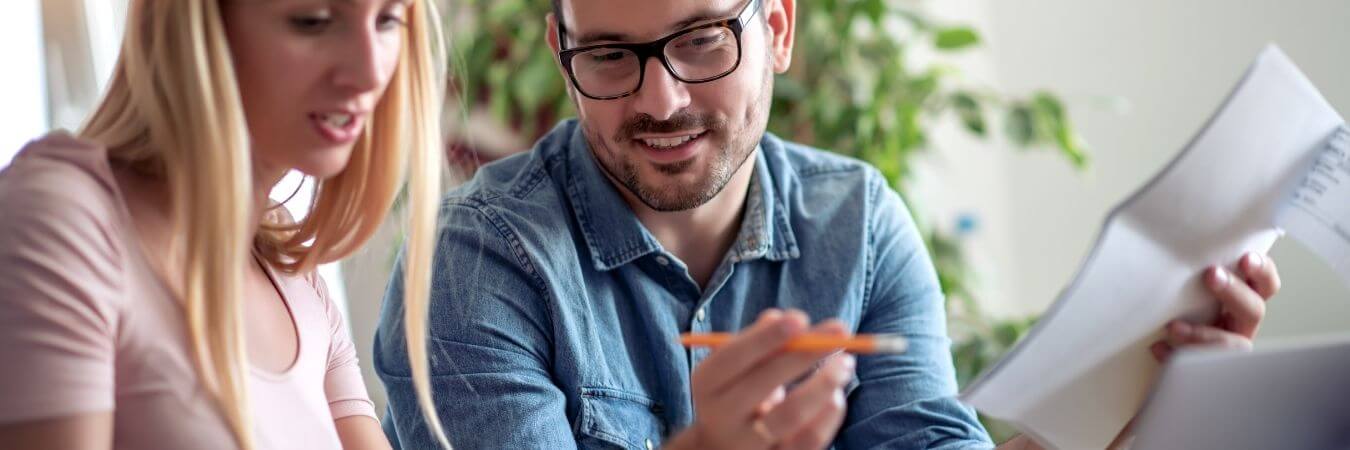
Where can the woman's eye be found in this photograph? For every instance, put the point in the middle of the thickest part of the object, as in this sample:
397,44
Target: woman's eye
310,24
389,22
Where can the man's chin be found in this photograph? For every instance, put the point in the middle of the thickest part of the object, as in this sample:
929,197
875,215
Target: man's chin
675,195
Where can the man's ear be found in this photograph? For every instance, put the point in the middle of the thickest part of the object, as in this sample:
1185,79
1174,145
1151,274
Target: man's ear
551,36
781,18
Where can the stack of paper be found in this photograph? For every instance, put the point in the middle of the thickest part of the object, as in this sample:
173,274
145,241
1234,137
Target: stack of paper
1286,396
1272,159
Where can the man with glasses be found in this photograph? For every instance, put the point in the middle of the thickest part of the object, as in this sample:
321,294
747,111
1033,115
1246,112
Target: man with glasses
566,275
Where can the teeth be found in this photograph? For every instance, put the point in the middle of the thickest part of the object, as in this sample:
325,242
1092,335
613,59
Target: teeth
668,142
336,120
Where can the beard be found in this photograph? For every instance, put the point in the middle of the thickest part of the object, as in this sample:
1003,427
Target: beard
729,146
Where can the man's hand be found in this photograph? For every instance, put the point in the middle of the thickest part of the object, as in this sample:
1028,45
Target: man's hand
739,397
1242,305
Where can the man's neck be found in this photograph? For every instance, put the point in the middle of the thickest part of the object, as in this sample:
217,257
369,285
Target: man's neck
700,237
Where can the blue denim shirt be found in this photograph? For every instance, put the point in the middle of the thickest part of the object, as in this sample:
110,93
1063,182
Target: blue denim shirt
555,314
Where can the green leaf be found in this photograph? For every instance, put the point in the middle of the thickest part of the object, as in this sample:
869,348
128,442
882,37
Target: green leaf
970,112
1020,127
955,38
875,10
533,82
1071,145
1049,105
914,18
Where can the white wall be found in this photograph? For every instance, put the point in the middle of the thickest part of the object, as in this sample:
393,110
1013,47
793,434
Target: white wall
1172,62
23,112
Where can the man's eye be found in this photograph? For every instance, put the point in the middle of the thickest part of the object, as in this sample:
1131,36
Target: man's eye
707,40
607,57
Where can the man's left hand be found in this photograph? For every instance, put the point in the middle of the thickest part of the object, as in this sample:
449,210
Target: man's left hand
1242,304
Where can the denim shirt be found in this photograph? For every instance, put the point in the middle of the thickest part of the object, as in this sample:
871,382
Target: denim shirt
555,315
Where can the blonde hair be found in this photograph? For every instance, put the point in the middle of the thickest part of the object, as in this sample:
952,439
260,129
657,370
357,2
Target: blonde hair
173,110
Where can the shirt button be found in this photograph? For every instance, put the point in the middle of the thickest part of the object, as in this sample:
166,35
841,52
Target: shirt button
663,260
649,444
700,315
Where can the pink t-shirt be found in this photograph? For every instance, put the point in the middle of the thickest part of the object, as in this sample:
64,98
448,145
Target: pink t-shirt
86,327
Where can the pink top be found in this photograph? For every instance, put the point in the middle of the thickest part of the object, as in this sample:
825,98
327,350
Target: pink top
86,327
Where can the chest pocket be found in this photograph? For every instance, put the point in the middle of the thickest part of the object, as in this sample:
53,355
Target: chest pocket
614,419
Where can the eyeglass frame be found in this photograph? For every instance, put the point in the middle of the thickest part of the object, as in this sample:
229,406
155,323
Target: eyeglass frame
657,49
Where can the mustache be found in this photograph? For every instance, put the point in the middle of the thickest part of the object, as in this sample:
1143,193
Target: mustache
680,121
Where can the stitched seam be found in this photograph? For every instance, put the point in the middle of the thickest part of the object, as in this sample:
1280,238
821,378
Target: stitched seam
870,202
812,171
518,251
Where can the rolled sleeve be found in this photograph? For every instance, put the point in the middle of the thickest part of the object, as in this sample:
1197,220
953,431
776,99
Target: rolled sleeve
907,400
342,383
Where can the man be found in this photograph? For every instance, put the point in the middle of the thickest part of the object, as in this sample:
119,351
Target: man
565,275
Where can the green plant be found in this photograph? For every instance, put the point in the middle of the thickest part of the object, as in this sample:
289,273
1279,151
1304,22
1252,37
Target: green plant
852,89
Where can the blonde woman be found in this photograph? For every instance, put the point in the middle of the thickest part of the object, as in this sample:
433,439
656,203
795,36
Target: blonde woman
149,296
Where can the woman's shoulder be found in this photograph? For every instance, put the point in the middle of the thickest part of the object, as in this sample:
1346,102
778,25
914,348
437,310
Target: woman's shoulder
59,235
59,173
60,206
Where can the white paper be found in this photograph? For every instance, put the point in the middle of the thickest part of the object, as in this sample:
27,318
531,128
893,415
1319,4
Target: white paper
1286,396
1318,214
1076,379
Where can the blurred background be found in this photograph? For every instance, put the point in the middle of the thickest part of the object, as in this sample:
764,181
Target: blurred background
1011,127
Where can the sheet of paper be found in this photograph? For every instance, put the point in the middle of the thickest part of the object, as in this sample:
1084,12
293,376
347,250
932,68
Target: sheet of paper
1283,396
1076,379
1318,212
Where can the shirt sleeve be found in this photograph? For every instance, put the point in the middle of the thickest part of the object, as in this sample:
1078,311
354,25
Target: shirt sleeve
907,400
60,277
343,384
489,347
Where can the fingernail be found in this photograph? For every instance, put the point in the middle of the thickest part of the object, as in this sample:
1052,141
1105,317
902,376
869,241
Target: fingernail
1219,276
1181,329
1254,260
846,371
849,361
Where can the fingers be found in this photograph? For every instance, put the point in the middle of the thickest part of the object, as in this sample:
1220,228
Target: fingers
1182,334
776,397
1242,304
823,429
1261,274
1241,308
811,414
765,337
740,391
1161,351
777,370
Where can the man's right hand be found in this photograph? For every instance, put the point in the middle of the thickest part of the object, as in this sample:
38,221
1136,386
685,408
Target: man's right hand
740,399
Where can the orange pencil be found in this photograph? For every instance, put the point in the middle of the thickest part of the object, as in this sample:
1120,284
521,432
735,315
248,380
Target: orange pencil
862,344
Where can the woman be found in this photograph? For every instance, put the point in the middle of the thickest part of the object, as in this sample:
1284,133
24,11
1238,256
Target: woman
150,297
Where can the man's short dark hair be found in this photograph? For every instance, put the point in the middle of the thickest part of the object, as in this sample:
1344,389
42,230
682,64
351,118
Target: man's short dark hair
557,12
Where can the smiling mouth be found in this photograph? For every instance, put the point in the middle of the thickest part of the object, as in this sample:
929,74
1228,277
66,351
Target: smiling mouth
335,120
338,127
668,143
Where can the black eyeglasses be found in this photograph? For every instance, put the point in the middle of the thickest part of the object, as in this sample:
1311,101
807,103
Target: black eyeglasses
697,54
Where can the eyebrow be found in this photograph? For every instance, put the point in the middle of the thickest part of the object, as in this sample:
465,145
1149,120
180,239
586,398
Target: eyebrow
702,16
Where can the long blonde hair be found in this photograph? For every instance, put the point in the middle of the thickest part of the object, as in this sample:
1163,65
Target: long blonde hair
173,110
